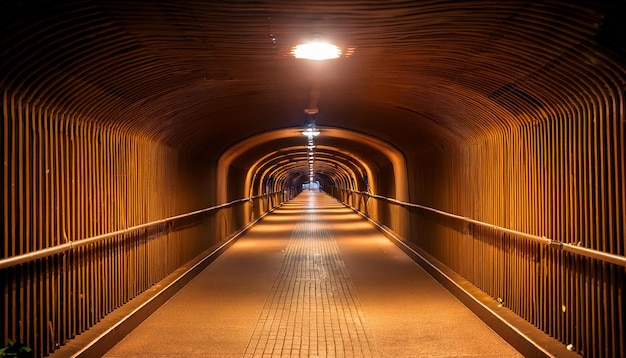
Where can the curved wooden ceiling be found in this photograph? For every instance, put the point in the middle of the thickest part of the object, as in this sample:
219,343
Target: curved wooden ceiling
204,75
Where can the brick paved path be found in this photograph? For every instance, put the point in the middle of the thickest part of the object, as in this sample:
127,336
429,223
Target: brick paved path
313,308
288,288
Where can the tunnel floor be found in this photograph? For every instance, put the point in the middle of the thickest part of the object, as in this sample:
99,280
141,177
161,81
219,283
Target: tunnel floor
313,279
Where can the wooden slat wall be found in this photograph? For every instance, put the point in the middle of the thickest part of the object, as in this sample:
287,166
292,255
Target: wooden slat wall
563,179
66,180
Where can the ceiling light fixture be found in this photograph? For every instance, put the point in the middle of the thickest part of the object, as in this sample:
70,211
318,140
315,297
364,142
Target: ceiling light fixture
317,51
310,132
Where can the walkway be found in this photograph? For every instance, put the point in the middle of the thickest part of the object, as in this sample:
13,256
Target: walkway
313,279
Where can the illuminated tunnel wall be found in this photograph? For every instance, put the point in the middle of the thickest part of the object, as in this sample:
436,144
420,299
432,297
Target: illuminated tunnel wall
137,135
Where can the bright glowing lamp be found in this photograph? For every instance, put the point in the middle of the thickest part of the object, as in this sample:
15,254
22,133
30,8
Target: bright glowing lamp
317,51
310,132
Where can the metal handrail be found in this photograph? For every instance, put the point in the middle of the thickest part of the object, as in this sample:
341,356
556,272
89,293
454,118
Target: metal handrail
575,249
70,245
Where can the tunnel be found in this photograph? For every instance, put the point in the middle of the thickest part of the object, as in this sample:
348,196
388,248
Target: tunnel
486,138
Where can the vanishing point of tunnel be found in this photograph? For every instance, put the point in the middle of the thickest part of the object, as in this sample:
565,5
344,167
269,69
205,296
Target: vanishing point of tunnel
146,142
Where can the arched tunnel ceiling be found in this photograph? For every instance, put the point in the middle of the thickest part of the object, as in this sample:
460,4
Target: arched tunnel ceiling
296,145
284,154
204,75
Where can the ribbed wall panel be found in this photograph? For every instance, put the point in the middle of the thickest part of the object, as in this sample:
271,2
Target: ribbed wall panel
66,180
563,179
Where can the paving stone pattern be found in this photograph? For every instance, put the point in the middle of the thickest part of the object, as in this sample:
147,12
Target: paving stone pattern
312,309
